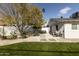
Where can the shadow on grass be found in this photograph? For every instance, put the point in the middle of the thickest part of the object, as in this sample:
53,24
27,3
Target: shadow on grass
40,51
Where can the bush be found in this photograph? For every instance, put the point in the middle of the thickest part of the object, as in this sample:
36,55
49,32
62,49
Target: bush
36,34
4,37
42,32
12,36
9,37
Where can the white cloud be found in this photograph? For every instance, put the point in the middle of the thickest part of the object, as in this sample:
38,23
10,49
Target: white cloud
65,10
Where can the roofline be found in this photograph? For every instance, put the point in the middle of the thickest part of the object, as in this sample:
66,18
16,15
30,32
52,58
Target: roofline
63,20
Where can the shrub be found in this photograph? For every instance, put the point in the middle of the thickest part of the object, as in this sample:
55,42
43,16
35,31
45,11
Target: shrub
36,34
12,36
4,37
8,37
42,32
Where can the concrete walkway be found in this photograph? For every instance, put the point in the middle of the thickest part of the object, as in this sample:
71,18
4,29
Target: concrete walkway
41,38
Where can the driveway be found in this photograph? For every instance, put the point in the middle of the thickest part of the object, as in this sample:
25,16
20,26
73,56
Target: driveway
41,38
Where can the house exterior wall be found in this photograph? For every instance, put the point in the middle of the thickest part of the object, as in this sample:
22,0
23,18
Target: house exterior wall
47,29
69,32
7,30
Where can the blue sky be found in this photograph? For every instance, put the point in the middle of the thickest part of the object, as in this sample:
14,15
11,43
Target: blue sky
53,10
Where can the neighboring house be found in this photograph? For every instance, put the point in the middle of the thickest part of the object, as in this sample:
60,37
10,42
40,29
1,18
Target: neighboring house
6,29
65,27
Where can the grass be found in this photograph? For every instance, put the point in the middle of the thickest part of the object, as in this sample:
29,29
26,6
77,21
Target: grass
40,49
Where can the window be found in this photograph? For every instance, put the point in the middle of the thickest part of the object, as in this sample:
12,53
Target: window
74,26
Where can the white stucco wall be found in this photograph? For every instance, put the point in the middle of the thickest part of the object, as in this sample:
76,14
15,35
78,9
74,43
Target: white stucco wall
69,32
7,30
45,29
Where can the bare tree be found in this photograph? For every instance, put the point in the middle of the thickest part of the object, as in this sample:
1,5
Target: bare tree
21,15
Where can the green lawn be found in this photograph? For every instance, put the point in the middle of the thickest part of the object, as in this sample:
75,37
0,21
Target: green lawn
40,49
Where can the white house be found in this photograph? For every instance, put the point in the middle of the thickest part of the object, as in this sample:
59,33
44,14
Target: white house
65,27
6,29
10,29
